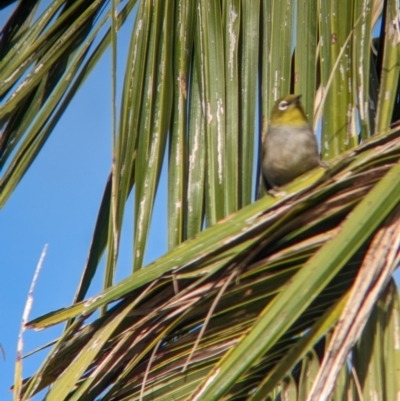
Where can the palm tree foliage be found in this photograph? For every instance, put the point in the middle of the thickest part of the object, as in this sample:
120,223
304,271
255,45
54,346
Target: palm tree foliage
253,301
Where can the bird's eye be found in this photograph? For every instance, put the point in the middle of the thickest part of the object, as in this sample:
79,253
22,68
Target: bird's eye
283,105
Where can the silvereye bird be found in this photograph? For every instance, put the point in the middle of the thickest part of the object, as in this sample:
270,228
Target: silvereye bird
289,148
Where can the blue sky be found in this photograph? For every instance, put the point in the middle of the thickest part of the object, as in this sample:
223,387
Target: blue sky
56,203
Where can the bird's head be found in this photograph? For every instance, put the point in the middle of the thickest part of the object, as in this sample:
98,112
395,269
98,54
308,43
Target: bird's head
288,111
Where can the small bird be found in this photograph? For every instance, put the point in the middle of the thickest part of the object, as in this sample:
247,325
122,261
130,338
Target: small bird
289,148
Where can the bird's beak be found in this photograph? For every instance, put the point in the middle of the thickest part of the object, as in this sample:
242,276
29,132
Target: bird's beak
296,99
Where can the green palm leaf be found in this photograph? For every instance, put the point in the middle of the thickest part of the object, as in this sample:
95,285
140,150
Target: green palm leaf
247,302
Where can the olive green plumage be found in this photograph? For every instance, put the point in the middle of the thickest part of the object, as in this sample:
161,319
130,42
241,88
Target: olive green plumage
289,148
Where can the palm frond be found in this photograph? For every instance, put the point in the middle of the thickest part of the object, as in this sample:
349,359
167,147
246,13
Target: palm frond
244,303
255,282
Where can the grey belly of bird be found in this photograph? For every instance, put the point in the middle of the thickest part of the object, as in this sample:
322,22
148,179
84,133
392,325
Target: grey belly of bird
289,154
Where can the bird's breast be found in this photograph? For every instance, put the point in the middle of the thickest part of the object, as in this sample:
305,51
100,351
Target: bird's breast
288,153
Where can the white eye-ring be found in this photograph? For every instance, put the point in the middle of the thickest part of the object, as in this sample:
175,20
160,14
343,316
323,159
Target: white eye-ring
283,105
